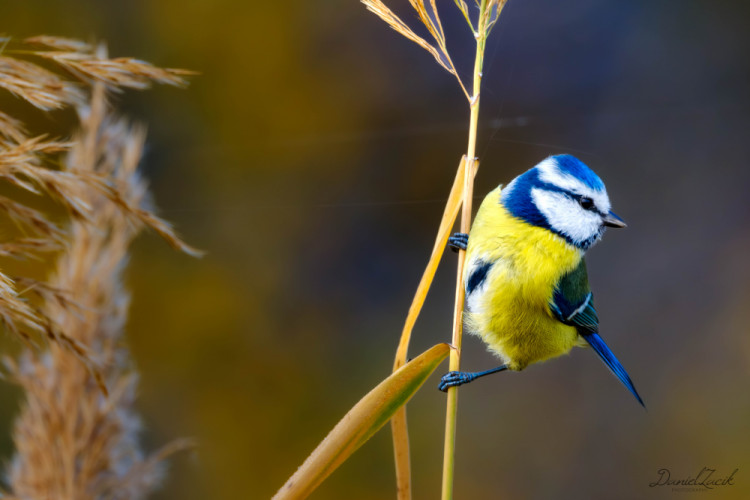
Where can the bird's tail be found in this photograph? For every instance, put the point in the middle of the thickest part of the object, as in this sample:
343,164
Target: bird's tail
604,352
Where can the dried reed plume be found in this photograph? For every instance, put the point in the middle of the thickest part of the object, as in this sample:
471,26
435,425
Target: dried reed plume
77,435
27,162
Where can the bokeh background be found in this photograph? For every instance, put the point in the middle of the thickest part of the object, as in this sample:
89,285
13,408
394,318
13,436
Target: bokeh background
311,160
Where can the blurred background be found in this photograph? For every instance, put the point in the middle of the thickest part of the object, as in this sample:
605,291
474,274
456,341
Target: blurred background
311,159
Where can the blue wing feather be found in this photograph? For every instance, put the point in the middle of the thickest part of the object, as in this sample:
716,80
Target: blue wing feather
573,304
596,342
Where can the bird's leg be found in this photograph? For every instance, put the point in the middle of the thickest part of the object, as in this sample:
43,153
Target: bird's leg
458,241
454,379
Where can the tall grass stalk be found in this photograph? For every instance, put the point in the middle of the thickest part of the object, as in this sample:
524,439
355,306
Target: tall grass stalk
488,12
388,399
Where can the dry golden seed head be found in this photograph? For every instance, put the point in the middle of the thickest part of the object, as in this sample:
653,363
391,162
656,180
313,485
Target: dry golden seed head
40,87
20,166
100,186
182,72
430,19
120,72
48,90
439,52
378,8
60,43
33,220
462,7
7,285
28,152
29,248
11,128
19,316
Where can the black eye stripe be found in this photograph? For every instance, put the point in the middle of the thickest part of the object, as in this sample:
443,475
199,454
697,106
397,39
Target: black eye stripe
586,202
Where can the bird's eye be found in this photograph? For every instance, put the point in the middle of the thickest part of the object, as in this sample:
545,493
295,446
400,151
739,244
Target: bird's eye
586,202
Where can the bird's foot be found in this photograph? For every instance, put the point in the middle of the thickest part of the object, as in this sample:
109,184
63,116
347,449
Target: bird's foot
458,241
454,379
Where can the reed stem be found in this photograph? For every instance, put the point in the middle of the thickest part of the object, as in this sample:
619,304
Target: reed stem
463,189
449,447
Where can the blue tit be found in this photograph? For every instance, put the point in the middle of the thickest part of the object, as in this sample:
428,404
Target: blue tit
527,290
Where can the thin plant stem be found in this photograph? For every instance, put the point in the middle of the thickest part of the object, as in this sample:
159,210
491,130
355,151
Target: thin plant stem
470,165
461,195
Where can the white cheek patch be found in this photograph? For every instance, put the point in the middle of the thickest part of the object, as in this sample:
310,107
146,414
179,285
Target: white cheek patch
566,216
550,173
601,200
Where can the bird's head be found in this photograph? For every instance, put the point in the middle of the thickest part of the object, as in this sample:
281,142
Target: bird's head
565,196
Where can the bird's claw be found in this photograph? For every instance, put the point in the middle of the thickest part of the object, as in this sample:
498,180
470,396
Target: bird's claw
458,241
454,379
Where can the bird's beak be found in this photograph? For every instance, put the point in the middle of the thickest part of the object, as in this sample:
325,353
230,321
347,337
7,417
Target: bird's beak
613,220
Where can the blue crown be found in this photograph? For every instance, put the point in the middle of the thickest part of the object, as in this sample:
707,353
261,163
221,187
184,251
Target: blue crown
574,167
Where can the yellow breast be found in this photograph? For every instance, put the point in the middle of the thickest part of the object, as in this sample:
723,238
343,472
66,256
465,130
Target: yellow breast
510,309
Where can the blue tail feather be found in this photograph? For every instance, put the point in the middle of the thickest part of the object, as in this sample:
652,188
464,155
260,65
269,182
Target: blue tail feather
604,352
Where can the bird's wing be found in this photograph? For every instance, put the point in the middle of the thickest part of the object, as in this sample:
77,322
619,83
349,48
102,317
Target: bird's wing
573,303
